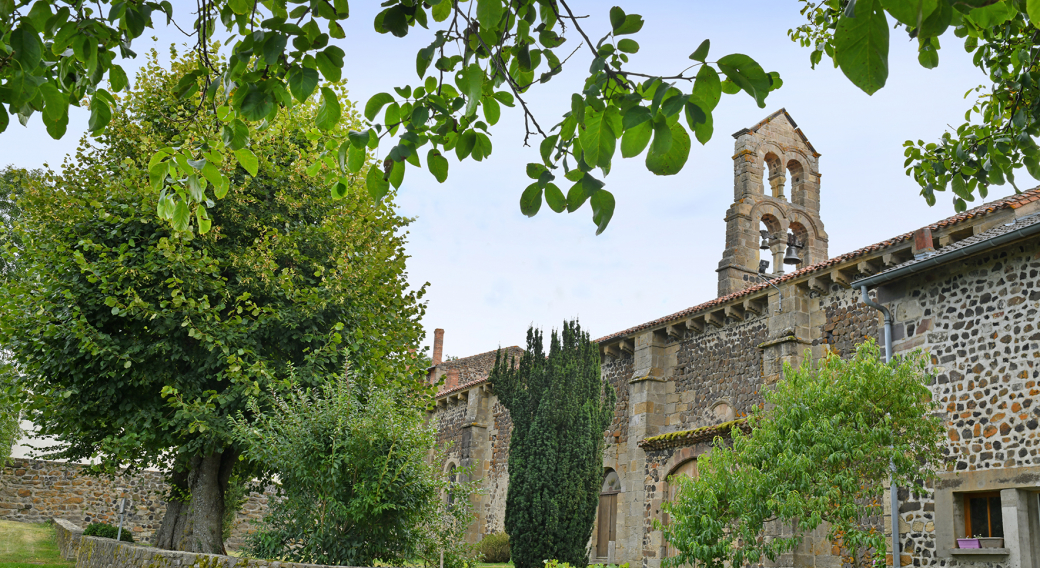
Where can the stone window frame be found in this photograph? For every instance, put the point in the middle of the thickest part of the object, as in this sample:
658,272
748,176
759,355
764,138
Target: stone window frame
1019,489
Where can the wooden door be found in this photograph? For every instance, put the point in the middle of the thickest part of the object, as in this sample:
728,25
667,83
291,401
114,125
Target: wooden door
607,524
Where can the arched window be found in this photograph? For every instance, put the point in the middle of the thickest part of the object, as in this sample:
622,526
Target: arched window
797,174
802,234
452,480
606,524
776,175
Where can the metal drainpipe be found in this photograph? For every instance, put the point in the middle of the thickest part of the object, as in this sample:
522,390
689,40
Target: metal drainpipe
893,490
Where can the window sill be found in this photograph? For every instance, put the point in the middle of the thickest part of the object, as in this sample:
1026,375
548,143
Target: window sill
978,551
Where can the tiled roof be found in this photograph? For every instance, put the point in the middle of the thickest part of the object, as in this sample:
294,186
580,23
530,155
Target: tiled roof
509,351
1010,202
951,249
688,437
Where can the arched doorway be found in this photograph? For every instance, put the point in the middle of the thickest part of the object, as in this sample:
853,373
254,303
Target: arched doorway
689,469
606,523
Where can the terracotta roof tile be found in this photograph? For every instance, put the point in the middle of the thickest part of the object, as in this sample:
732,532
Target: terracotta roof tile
1010,202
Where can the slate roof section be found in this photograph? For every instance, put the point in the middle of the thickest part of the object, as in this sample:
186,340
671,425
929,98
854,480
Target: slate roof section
689,437
1010,202
951,249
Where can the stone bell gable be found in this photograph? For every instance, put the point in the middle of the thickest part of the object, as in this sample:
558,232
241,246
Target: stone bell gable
766,156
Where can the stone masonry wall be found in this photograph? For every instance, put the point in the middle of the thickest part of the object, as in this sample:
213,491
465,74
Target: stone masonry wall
847,321
97,552
36,491
977,321
618,371
723,364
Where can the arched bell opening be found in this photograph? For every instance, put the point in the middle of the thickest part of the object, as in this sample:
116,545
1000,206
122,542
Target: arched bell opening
777,175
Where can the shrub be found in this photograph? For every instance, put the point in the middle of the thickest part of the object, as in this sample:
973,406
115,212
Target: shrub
105,530
495,548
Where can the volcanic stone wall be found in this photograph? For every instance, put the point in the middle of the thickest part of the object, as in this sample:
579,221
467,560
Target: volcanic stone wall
618,371
847,321
977,321
718,365
36,491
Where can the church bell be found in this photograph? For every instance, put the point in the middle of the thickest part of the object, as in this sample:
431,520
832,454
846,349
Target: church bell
791,256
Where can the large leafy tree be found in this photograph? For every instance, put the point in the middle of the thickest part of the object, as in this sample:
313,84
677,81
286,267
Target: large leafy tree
138,342
822,452
560,407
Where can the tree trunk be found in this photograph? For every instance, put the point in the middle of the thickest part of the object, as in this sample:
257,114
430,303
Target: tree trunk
197,526
172,526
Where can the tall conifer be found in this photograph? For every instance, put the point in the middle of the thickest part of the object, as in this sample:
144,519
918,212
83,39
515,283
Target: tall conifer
560,407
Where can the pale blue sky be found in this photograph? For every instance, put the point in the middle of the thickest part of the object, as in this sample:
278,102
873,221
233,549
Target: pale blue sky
493,271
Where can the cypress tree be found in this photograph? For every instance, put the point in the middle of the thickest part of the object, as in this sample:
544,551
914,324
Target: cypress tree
560,407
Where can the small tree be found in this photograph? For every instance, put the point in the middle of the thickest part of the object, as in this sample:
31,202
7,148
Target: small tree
820,453
560,407
355,482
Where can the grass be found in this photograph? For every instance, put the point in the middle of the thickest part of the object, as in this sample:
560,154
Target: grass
29,545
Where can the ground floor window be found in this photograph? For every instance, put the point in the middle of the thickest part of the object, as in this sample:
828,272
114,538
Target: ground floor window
982,516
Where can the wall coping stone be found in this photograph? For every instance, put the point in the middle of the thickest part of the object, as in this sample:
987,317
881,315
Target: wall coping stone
97,552
68,536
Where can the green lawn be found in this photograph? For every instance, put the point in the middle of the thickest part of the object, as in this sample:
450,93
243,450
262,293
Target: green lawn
28,545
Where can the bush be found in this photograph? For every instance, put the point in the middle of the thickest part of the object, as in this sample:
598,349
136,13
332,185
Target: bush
495,548
105,530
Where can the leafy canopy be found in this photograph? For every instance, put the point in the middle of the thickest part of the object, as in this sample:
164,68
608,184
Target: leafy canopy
138,342
822,452
483,55
999,131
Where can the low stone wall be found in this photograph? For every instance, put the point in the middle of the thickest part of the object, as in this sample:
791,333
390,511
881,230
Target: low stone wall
35,491
68,536
97,552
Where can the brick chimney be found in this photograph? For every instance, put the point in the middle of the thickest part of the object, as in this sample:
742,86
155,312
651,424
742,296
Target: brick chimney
923,242
438,346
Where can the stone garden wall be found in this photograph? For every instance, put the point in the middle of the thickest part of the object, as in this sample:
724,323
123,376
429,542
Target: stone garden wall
35,491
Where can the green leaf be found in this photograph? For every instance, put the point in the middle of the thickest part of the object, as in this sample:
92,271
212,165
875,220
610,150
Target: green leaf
465,144
157,174
623,24
241,7
861,46
375,184
670,162
55,110
328,67
635,139
117,78
927,55
700,121
471,82
910,12
481,146
554,198
329,112
26,45
547,146
212,174
100,114
274,46
355,158
992,15
748,75
489,13
302,82
531,200
441,10
701,53
339,190
437,163
204,222
597,139
635,116
256,104
602,209
181,216
707,89
492,111
576,196
937,23
235,134
397,174
247,159
1033,10
628,46
662,138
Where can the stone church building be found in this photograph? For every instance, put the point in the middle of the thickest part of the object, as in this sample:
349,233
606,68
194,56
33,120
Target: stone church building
965,289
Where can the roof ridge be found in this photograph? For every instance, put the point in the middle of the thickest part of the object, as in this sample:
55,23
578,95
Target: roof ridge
1016,199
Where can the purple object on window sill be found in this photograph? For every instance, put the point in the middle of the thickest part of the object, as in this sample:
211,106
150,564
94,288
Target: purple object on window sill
968,543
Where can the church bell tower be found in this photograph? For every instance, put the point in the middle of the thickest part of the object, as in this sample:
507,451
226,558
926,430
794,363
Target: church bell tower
772,220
